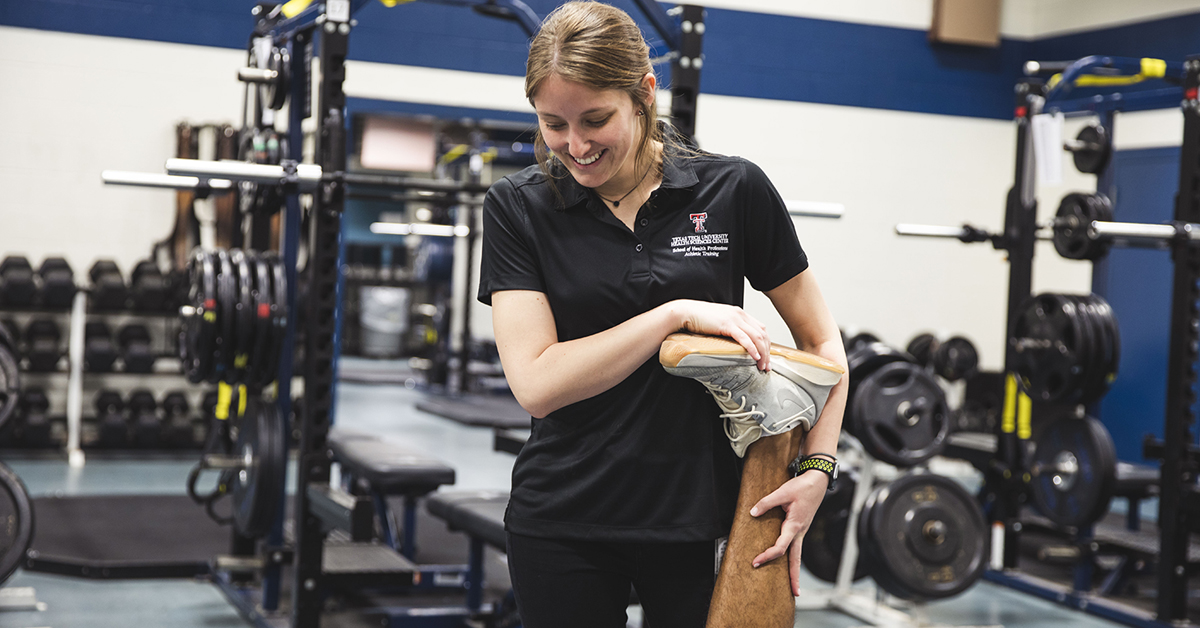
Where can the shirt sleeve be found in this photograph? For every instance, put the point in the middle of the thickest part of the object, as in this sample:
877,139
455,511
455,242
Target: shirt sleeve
773,251
509,260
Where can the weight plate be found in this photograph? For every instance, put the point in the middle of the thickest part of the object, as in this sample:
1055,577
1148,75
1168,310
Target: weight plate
825,540
1074,471
1047,341
1108,354
955,359
263,324
922,348
923,537
226,300
8,338
279,313
1087,347
1093,157
198,330
10,382
258,487
244,314
899,413
1072,224
275,93
16,522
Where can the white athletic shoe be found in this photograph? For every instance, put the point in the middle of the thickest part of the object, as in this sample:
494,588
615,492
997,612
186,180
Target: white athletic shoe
755,403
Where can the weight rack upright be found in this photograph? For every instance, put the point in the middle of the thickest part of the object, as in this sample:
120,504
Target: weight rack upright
1005,481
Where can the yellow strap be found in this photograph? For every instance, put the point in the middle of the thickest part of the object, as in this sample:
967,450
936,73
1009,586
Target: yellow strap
454,153
1154,68
1008,423
1151,69
1024,416
295,7
391,3
242,400
224,398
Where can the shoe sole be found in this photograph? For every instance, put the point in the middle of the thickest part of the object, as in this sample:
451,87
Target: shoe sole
683,349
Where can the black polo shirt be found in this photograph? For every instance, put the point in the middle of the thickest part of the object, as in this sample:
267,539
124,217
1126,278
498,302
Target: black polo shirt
646,460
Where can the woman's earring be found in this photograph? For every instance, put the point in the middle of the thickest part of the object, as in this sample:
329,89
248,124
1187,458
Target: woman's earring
641,112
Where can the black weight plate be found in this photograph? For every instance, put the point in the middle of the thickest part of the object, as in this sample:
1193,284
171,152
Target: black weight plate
1094,383
279,314
924,536
899,413
243,314
955,359
922,348
8,339
275,93
1074,471
1092,159
1073,221
1047,339
825,539
16,522
1107,357
257,373
258,487
198,329
1087,347
226,301
10,382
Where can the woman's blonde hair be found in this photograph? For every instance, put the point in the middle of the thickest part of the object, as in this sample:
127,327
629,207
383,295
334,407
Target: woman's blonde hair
600,46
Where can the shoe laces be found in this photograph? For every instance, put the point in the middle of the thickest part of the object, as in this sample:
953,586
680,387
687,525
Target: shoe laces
740,424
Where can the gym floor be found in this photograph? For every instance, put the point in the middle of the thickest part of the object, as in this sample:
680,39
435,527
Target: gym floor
386,410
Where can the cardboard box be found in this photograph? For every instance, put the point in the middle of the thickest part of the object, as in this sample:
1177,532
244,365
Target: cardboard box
967,22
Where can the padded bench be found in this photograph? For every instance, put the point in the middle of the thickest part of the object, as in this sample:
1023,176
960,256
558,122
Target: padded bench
385,468
479,514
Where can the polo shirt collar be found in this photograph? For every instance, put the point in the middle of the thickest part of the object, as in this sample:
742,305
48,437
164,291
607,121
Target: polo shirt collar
678,173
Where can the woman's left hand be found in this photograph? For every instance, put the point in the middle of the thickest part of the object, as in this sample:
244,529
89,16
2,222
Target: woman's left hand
799,499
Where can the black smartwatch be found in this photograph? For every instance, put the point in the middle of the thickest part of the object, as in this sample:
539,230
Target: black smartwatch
810,463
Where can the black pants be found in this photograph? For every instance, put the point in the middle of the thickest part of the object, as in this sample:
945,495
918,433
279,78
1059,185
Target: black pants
585,584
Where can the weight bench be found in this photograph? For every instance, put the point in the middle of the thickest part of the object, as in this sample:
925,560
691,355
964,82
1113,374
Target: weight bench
1135,482
479,514
384,468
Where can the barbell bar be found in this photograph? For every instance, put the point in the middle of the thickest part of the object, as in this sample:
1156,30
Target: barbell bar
171,182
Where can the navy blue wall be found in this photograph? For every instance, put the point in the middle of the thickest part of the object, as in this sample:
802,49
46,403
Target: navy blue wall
1139,289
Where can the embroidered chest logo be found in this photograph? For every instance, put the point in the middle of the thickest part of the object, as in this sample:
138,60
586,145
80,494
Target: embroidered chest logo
700,243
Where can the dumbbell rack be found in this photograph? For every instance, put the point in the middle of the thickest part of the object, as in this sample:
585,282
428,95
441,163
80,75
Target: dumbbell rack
842,597
77,316
1180,457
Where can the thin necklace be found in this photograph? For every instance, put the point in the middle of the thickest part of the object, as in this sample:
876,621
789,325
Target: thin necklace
617,203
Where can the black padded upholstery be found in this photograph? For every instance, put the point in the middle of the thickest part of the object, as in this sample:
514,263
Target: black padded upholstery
478,513
389,467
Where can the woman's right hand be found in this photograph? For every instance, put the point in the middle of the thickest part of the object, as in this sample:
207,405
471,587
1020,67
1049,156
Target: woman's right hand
718,319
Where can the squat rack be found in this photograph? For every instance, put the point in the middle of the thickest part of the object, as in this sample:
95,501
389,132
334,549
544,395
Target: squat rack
1004,482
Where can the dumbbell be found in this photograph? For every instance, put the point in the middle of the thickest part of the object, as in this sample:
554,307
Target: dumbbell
108,286
113,428
134,340
953,359
42,340
16,282
148,287
99,350
58,283
143,418
859,340
33,430
177,421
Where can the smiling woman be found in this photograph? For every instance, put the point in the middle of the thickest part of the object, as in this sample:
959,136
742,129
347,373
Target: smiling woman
618,238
